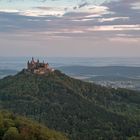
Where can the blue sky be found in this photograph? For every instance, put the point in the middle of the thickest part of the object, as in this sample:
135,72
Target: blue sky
84,28
33,3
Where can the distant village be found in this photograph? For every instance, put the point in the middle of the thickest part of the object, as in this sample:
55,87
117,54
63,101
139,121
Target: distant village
37,67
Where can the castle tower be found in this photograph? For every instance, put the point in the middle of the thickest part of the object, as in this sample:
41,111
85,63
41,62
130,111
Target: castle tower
38,61
28,64
32,61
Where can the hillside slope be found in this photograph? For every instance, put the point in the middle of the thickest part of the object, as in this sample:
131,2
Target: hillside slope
83,110
13,127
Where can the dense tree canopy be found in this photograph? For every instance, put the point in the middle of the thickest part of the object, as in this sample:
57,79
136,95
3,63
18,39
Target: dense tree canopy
13,127
84,111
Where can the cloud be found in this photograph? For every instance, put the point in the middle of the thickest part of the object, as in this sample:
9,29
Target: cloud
106,28
83,19
94,9
124,40
9,1
83,4
39,13
123,7
115,28
59,11
112,19
136,6
87,20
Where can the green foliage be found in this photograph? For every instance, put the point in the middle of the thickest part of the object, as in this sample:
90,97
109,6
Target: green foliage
11,134
84,111
20,128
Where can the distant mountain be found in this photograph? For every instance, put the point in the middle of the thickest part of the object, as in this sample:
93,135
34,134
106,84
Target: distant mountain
5,72
14,127
85,111
106,70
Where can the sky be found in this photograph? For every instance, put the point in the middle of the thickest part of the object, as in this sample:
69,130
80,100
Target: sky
70,28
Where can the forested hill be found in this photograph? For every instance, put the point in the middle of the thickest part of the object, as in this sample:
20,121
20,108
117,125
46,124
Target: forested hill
84,111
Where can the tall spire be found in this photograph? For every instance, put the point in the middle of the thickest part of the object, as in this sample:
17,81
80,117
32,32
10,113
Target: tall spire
37,60
32,60
28,64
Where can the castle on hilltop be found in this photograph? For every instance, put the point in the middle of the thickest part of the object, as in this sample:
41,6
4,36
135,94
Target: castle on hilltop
37,67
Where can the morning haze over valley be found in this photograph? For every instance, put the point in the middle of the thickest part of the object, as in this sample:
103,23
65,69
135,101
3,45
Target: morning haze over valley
69,70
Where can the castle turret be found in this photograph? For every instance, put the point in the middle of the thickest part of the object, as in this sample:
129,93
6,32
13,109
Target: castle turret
32,61
28,64
38,61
